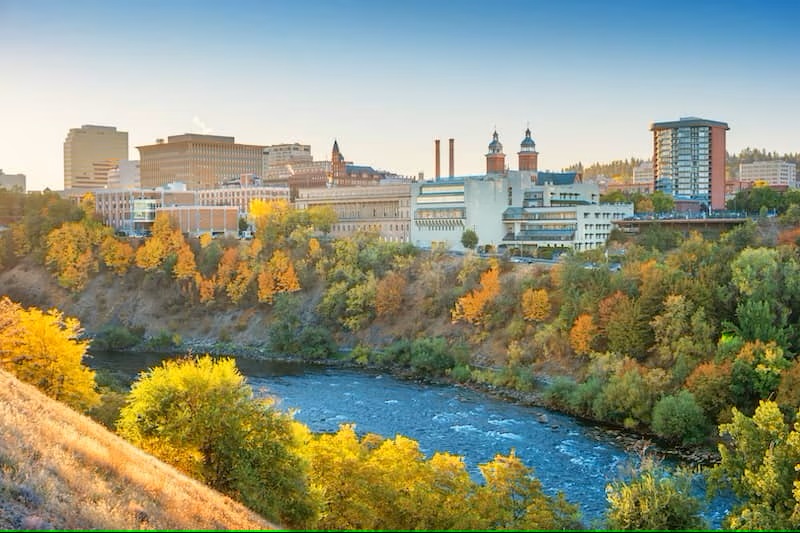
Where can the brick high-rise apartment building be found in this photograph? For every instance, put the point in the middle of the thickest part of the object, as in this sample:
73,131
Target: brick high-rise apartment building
689,160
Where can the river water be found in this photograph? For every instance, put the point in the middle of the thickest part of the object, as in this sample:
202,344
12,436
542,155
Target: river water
566,454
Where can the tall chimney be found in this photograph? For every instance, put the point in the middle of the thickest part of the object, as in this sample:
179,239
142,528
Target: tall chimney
452,159
438,170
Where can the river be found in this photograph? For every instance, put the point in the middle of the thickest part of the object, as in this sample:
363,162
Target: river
566,454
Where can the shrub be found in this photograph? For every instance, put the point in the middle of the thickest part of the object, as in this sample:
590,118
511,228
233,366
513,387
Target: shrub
679,418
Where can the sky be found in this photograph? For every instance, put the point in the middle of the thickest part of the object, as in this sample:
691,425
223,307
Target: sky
387,78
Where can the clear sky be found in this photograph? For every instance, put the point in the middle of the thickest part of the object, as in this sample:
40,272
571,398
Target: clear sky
386,78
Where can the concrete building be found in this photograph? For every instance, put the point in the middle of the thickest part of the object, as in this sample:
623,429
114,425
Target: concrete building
559,217
282,154
689,160
125,175
522,210
12,182
199,161
777,173
643,174
383,208
133,211
89,153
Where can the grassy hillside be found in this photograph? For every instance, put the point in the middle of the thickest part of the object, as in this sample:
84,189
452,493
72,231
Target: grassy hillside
61,470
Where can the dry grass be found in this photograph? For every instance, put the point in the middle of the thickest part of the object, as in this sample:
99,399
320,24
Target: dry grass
61,470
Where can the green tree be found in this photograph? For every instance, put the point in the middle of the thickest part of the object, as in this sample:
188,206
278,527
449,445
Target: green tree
662,202
679,419
200,416
469,239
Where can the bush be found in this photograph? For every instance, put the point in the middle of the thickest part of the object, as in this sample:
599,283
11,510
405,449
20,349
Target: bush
114,338
679,418
164,340
431,356
315,342
460,373
559,392
201,416
654,500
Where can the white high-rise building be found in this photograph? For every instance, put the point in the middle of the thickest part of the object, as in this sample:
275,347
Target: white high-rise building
772,173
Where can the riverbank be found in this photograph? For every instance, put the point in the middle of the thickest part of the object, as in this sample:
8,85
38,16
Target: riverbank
634,442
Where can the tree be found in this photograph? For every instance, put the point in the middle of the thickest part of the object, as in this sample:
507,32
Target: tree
582,334
116,255
200,415
662,202
277,276
43,348
389,294
469,239
684,337
758,461
653,500
535,305
471,306
679,419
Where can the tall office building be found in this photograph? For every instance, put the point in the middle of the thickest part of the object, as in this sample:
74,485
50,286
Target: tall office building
689,160
199,161
90,152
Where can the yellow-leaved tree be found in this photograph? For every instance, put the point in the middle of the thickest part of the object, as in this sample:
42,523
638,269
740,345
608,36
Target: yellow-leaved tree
277,276
116,255
166,239
535,305
471,307
43,348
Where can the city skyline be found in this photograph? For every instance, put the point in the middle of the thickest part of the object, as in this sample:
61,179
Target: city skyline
385,80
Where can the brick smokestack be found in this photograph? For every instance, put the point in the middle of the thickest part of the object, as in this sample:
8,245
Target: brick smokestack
452,158
438,172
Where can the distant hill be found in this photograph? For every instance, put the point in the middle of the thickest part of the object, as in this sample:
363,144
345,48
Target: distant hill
619,168
751,155
623,168
61,470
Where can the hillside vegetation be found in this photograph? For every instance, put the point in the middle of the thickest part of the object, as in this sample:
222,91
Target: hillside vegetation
61,470
682,336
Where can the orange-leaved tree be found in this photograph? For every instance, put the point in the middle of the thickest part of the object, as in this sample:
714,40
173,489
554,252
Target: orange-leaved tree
471,307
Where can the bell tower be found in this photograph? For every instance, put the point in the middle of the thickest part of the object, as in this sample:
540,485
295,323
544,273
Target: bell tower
495,158
528,156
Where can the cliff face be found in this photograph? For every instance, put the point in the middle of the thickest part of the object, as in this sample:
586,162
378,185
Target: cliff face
152,302
156,303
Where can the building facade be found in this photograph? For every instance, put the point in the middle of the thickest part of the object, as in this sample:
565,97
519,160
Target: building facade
689,160
384,208
777,173
519,210
199,161
89,153
282,154
133,211
125,175
12,182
